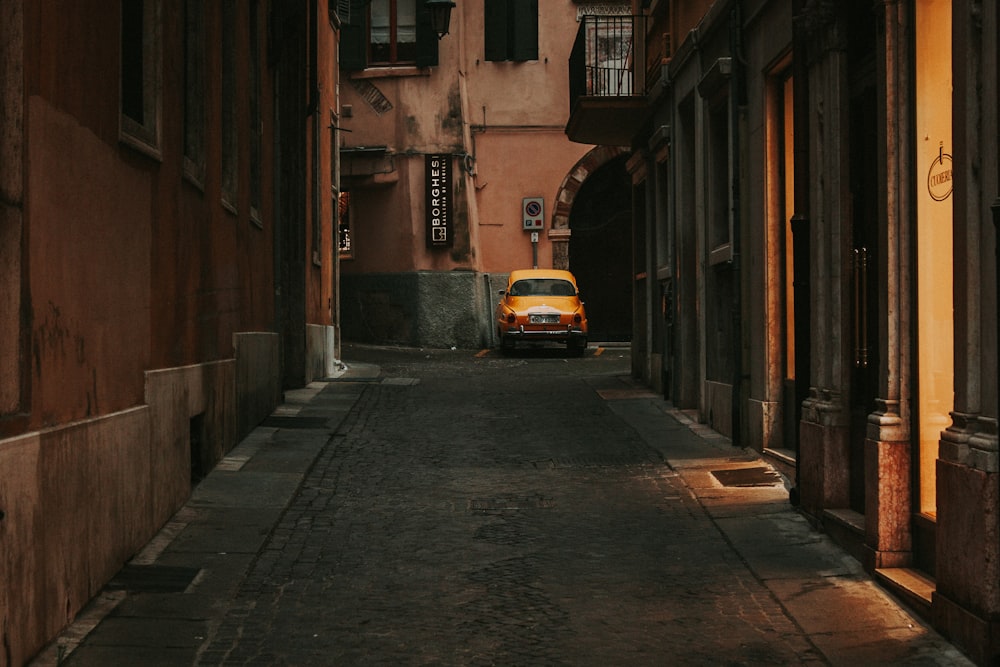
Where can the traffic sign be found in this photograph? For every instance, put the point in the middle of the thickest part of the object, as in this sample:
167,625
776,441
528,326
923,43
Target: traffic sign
533,213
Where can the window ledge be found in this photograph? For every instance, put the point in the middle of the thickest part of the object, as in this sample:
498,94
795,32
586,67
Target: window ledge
140,144
720,255
391,72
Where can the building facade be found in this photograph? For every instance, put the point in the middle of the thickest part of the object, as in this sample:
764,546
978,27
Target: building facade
159,160
456,170
814,196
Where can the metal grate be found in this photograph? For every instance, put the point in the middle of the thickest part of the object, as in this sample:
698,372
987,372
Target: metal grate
759,476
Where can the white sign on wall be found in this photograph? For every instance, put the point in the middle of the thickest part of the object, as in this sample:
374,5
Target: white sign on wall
533,213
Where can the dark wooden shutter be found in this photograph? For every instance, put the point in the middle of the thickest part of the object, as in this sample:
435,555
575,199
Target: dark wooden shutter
343,9
525,32
427,39
354,38
495,19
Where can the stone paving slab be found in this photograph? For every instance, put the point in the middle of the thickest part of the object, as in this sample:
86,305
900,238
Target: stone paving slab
477,510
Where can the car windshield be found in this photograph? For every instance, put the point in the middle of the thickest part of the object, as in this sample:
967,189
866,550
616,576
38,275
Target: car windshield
542,287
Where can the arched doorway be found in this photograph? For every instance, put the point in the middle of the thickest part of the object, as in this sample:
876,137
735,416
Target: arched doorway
600,249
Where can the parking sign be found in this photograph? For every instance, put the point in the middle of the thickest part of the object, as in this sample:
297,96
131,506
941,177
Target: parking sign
533,213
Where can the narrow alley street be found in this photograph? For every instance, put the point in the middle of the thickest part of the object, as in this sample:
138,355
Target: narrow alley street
452,508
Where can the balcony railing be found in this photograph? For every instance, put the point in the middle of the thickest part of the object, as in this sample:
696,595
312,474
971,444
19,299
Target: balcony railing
602,63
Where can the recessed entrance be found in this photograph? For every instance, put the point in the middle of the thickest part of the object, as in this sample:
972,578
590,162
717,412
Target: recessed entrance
600,250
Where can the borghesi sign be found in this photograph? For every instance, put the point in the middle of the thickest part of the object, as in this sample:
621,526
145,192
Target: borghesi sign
437,200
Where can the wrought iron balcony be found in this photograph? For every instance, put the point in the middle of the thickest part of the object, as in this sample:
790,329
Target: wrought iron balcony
607,102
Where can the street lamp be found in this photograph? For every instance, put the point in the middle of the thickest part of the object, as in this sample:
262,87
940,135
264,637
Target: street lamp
440,15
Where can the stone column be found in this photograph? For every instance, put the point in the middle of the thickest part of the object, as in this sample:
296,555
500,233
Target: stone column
888,450
824,433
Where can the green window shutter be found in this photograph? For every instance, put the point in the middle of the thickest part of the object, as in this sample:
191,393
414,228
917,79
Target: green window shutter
427,40
525,32
354,38
495,19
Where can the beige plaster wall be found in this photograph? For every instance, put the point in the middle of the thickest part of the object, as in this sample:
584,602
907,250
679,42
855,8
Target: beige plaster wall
76,503
258,384
79,500
175,396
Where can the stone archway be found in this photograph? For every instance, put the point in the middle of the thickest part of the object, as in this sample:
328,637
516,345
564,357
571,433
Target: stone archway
591,235
559,230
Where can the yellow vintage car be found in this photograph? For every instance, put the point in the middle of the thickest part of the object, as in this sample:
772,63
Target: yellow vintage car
541,305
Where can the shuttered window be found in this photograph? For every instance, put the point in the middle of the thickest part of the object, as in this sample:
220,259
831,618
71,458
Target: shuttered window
511,30
387,32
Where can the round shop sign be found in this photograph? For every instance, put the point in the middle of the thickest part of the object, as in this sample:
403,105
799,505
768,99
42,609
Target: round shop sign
939,177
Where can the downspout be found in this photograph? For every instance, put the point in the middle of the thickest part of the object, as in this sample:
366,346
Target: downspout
995,208
277,58
736,104
313,111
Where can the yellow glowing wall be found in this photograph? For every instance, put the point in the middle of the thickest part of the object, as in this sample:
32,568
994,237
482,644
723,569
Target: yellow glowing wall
935,326
789,192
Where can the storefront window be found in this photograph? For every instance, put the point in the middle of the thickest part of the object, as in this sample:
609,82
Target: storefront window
935,312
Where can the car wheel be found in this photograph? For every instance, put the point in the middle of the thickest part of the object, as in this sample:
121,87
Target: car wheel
506,345
576,349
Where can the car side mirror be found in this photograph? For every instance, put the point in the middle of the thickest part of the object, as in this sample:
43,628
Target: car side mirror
502,292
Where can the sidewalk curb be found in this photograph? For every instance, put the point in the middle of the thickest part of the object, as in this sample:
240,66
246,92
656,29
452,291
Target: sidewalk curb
185,520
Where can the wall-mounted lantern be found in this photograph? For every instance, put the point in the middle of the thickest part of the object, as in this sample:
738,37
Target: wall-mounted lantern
440,15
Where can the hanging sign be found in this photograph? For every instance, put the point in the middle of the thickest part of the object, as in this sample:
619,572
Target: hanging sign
939,178
437,200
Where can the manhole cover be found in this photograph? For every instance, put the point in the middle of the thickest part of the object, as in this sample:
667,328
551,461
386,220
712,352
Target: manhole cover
153,579
761,476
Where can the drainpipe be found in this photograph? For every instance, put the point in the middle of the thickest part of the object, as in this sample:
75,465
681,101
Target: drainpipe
736,102
995,208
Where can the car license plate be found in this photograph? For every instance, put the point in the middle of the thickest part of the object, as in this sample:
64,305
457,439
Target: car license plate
544,319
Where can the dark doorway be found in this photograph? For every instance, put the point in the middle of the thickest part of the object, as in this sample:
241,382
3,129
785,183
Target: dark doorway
864,279
600,252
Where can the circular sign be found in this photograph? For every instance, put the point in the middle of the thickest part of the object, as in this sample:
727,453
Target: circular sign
939,177
533,208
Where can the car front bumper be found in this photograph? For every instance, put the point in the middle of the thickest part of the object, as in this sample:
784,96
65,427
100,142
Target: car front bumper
564,335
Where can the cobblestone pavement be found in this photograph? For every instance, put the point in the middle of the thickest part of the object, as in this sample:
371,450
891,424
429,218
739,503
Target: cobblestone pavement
457,509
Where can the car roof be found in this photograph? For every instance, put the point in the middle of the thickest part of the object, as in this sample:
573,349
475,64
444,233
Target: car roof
557,274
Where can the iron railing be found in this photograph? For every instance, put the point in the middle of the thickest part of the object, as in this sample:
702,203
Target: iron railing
602,62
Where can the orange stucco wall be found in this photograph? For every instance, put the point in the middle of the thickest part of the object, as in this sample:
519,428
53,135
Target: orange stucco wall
515,165
89,271
137,308
507,117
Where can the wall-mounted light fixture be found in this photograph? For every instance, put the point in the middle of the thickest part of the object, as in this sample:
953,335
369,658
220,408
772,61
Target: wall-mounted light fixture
440,15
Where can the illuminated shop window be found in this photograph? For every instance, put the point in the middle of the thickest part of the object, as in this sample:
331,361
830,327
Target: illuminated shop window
343,221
